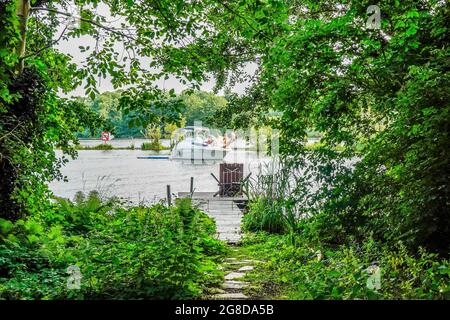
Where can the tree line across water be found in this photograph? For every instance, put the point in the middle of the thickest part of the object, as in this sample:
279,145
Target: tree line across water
197,106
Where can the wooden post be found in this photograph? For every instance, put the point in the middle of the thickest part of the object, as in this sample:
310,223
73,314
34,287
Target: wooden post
169,196
191,189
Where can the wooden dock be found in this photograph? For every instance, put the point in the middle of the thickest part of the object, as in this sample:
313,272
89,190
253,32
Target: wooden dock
224,210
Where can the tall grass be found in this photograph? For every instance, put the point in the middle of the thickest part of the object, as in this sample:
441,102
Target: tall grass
154,145
101,146
276,193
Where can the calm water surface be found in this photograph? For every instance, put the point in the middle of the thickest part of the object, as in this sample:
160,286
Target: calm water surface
121,173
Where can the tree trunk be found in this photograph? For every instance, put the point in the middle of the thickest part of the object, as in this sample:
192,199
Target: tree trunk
23,11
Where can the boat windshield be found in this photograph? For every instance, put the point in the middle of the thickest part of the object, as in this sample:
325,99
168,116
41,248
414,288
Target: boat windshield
193,133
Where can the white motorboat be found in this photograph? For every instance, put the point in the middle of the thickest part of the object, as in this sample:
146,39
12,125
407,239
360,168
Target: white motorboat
242,144
198,143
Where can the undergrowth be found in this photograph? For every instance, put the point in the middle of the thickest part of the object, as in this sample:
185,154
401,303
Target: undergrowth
155,252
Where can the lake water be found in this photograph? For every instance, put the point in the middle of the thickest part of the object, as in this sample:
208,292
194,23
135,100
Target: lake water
121,173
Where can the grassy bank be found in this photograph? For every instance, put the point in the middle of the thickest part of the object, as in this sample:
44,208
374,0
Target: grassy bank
294,268
101,146
144,146
154,146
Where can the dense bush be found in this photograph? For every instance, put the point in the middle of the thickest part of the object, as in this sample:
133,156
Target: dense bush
31,128
307,271
324,249
379,97
136,253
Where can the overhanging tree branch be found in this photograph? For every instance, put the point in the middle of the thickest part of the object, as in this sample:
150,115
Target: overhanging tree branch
47,46
107,28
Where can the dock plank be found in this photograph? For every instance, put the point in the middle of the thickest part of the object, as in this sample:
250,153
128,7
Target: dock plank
224,211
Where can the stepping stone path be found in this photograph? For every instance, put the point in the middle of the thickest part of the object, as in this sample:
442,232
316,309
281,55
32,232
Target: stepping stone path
228,216
234,275
233,286
246,268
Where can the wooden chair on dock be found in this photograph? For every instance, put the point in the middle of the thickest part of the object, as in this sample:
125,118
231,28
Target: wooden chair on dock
231,179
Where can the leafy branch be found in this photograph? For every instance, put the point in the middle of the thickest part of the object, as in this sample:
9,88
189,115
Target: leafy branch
95,23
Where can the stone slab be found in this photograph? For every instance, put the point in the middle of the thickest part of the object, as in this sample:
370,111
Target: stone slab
230,296
234,275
